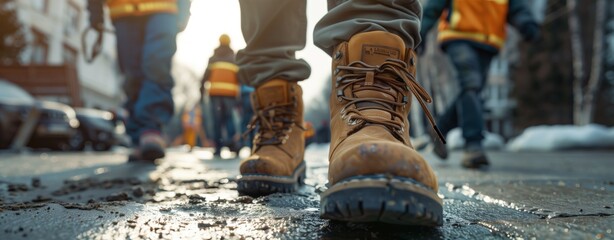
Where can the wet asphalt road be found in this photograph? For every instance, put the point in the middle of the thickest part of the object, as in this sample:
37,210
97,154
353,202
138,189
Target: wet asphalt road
562,195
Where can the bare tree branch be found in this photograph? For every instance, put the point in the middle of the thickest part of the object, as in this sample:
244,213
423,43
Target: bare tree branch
597,63
577,58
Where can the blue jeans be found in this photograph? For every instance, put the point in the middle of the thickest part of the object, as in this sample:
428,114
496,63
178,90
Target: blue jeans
246,115
472,65
145,48
221,109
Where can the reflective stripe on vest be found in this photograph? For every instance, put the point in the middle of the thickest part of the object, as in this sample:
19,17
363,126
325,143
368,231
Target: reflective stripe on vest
493,40
482,21
230,88
224,65
119,8
223,79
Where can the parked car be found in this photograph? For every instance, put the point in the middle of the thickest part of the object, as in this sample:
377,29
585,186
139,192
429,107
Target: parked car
56,124
100,129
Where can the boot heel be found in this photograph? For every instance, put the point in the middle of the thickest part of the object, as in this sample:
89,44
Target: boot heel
381,198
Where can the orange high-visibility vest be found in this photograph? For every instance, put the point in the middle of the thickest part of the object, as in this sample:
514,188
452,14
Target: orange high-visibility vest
482,21
122,8
223,79
192,118
309,131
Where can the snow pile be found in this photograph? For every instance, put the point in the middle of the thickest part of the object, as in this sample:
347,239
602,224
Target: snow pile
317,151
318,147
491,141
558,137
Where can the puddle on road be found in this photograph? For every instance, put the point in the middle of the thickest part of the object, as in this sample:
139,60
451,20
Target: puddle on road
547,199
540,209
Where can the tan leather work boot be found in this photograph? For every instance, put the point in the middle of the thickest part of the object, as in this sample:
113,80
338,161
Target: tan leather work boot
375,175
276,163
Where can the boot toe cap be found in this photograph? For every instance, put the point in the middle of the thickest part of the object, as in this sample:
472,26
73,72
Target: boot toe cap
263,165
380,157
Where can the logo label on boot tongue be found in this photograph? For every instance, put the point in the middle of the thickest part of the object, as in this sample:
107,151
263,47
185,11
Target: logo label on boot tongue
375,54
272,95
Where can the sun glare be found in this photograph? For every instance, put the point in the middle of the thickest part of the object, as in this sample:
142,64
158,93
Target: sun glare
210,19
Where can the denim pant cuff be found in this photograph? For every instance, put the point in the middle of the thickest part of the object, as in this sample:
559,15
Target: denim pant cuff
474,146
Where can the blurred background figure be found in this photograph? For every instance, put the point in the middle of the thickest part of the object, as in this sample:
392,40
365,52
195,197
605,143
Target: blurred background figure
323,132
223,89
246,114
146,32
310,133
193,126
471,44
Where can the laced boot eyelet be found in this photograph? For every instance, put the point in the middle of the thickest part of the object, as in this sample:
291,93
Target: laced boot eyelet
354,122
338,55
284,139
400,131
339,95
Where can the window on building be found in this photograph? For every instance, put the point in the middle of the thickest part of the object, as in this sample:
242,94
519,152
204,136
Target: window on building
40,5
72,19
70,55
40,47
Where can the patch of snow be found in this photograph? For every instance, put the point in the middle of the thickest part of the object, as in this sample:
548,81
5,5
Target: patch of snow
492,141
318,147
317,151
559,137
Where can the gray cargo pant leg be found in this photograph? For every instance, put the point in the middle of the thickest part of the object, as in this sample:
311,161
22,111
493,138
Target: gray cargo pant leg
273,30
350,17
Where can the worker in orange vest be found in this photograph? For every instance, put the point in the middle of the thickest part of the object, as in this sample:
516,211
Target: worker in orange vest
193,126
309,133
146,32
223,88
472,32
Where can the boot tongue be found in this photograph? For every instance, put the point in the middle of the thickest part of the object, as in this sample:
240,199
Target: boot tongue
274,92
373,48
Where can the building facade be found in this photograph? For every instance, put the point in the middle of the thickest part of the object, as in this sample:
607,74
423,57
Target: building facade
53,29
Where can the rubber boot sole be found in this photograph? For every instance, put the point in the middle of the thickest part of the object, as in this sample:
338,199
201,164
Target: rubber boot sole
383,199
257,185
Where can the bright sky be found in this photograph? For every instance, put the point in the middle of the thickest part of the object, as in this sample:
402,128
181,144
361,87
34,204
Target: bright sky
210,19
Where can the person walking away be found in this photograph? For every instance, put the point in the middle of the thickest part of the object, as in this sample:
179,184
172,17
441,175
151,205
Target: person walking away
374,174
246,115
146,32
221,76
309,133
471,33
192,126
323,132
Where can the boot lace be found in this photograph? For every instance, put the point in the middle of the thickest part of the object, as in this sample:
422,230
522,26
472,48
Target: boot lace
392,73
274,124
